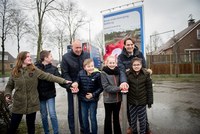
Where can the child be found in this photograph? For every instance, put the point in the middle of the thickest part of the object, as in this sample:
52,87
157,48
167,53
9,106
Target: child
140,94
89,84
111,95
47,92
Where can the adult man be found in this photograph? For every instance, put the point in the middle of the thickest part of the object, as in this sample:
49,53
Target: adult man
71,64
130,50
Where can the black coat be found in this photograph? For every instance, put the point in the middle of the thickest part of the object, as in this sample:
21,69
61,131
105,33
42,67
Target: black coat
89,84
47,89
71,65
124,60
140,88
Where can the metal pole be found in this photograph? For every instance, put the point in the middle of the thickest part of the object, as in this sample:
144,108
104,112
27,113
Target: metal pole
75,97
124,113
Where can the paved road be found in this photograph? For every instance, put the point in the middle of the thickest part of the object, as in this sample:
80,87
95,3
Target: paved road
176,109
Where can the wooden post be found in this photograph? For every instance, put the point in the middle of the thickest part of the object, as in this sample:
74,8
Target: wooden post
75,97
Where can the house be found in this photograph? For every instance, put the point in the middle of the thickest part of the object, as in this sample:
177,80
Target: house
187,41
9,61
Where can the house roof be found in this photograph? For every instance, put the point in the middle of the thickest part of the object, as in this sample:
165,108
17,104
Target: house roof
9,59
178,37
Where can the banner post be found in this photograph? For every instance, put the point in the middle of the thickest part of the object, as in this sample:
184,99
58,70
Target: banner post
75,98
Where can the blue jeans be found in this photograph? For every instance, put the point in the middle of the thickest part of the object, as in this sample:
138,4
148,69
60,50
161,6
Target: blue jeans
71,113
50,104
89,108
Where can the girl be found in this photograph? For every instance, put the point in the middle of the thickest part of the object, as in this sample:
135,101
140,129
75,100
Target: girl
140,94
111,95
24,79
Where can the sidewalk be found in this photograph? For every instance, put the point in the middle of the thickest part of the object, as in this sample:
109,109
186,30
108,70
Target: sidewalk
175,110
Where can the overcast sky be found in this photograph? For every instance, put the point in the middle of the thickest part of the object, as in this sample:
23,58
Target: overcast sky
159,15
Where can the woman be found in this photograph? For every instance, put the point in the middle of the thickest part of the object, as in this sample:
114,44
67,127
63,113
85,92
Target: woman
24,79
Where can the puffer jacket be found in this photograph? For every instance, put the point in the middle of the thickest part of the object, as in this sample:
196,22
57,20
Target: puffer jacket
47,89
71,65
140,88
89,84
111,90
25,97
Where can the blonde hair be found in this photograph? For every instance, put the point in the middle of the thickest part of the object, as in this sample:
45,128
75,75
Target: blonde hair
87,61
110,57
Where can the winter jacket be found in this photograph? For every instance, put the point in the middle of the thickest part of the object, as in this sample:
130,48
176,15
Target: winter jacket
111,90
71,65
25,97
46,89
89,84
140,88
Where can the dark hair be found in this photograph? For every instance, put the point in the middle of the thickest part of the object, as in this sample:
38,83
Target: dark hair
43,54
136,59
133,40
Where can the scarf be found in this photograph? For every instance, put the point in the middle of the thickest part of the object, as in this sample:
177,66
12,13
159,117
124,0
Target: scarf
109,71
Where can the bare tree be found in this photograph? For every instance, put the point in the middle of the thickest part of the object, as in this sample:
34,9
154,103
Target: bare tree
72,17
20,26
100,41
155,41
6,14
43,6
59,39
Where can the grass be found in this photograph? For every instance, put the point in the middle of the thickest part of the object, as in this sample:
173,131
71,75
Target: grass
7,74
23,128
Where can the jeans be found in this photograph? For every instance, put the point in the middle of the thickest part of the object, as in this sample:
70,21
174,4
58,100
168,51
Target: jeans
71,113
16,119
89,108
112,112
50,104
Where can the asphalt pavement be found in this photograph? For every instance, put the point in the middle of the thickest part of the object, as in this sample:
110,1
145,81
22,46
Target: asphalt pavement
176,108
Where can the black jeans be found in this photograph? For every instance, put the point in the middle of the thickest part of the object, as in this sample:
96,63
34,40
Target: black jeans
16,119
112,110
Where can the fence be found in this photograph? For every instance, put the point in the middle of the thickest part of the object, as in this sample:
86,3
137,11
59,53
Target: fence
180,63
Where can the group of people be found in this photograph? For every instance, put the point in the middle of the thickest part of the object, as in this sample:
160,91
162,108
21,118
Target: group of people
35,89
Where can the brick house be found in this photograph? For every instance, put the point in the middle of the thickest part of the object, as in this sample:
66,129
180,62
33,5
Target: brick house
187,41
9,61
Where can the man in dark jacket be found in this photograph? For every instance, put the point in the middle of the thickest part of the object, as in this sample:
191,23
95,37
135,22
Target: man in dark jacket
130,51
71,64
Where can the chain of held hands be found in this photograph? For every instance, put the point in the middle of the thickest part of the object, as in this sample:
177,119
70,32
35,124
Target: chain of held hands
74,88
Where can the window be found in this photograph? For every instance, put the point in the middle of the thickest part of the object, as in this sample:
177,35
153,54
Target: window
198,34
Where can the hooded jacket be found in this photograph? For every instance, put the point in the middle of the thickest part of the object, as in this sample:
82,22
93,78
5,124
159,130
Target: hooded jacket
25,96
140,88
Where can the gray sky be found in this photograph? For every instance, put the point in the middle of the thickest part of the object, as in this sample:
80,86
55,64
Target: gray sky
159,15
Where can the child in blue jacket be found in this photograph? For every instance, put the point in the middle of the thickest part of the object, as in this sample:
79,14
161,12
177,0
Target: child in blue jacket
89,85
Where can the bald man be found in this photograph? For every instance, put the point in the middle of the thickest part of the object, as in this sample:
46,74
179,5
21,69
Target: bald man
72,63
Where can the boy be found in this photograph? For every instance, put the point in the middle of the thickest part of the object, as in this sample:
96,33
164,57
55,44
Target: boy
89,85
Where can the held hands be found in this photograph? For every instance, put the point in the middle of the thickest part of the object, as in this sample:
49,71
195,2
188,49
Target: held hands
74,87
124,87
68,82
89,95
8,99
